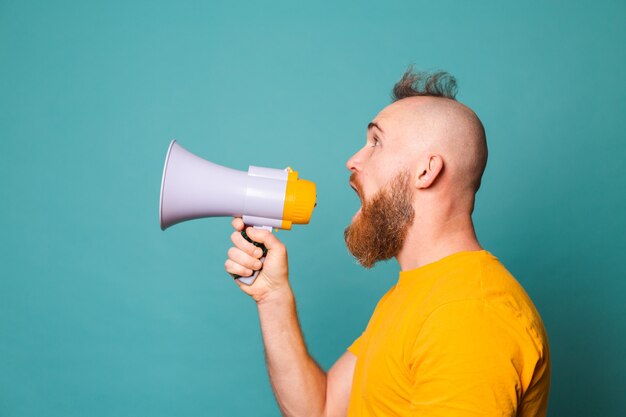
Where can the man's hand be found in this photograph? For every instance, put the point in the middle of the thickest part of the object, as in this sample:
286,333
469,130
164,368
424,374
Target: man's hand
243,258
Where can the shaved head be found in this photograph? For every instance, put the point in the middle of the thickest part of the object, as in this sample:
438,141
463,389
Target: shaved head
450,127
427,119
446,127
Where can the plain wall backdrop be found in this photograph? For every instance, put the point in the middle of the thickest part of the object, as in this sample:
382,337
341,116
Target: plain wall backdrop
103,314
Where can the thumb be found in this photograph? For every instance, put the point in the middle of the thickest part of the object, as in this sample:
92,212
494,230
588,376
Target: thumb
265,237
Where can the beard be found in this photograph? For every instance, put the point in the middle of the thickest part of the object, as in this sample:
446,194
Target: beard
379,231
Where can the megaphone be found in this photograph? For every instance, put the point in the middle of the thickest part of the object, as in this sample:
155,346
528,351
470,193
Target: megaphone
266,198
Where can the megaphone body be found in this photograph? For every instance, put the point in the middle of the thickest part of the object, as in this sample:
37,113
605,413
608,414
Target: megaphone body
267,198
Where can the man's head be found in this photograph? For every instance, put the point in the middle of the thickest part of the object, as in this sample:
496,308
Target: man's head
424,158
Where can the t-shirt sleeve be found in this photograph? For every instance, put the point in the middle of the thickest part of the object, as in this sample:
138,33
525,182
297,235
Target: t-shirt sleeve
467,360
355,346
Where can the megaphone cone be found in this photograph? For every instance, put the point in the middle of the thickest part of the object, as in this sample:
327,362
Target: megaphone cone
192,188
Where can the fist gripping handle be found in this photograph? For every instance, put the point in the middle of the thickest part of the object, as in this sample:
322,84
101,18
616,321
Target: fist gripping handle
250,279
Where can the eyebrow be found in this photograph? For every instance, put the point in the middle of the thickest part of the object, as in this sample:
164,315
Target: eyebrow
372,124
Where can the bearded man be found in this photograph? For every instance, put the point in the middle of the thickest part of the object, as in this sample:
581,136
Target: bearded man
457,335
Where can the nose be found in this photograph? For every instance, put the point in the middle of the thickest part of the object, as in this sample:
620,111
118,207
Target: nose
354,163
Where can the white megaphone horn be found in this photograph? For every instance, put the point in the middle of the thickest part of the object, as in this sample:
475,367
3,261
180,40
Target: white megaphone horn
265,198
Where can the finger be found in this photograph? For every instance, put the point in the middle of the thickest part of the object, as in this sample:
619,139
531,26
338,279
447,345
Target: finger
243,259
265,237
245,246
238,223
234,268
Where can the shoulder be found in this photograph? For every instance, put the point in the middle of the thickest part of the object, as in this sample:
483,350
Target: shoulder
475,337
480,286
480,306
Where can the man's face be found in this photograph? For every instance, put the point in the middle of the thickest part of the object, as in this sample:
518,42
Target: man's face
378,229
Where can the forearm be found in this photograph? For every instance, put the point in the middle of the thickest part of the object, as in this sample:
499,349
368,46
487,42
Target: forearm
299,384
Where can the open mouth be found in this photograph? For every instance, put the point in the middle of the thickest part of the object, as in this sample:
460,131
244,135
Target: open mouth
360,199
355,190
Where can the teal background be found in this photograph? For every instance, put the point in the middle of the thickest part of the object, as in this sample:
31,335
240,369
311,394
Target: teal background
103,314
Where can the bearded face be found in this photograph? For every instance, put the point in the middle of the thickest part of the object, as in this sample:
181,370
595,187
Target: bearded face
379,230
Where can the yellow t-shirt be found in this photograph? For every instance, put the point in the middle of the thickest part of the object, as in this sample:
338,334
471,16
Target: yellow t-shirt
457,337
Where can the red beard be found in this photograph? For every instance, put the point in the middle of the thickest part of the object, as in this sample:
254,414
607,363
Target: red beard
379,230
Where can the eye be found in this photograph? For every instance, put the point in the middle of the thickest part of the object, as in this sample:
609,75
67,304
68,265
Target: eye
374,142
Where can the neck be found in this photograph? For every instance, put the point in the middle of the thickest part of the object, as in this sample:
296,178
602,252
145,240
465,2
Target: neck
430,240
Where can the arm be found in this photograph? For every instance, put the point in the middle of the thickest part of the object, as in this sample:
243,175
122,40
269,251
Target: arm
301,387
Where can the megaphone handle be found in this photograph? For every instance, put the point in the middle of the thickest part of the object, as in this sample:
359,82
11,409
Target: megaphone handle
249,280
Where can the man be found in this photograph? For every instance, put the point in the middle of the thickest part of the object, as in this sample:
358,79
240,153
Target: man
457,335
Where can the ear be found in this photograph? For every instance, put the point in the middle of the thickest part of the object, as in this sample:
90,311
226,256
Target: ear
428,170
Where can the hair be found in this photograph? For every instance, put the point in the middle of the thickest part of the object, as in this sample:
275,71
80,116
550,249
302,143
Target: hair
440,84
421,83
